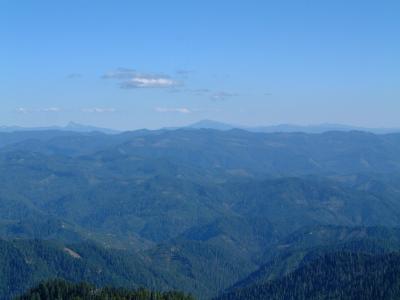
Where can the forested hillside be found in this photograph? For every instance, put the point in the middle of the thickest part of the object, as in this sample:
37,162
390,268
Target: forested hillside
336,276
25,263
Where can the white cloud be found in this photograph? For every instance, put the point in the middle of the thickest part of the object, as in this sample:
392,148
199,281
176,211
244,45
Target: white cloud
99,110
50,109
24,110
131,79
142,81
182,110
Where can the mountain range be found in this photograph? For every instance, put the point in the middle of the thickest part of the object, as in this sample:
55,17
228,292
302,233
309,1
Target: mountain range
210,124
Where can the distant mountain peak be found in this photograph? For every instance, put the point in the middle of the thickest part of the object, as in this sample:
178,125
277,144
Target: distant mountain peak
73,126
210,124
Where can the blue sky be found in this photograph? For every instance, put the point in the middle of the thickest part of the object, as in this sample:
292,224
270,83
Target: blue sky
134,64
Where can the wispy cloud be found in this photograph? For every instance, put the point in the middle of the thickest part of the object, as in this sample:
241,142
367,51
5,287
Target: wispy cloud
74,76
182,110
213,95
131,79
99,110
25,110
201,92
175,90
50,109
222,96
120,73
184,73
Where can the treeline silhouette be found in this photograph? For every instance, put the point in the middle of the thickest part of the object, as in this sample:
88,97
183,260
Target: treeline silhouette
63,290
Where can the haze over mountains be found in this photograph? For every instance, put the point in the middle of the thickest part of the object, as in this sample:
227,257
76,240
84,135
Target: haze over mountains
210,124
71,126
318,128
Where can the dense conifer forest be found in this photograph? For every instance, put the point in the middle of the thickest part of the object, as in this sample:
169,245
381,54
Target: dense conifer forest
59,289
